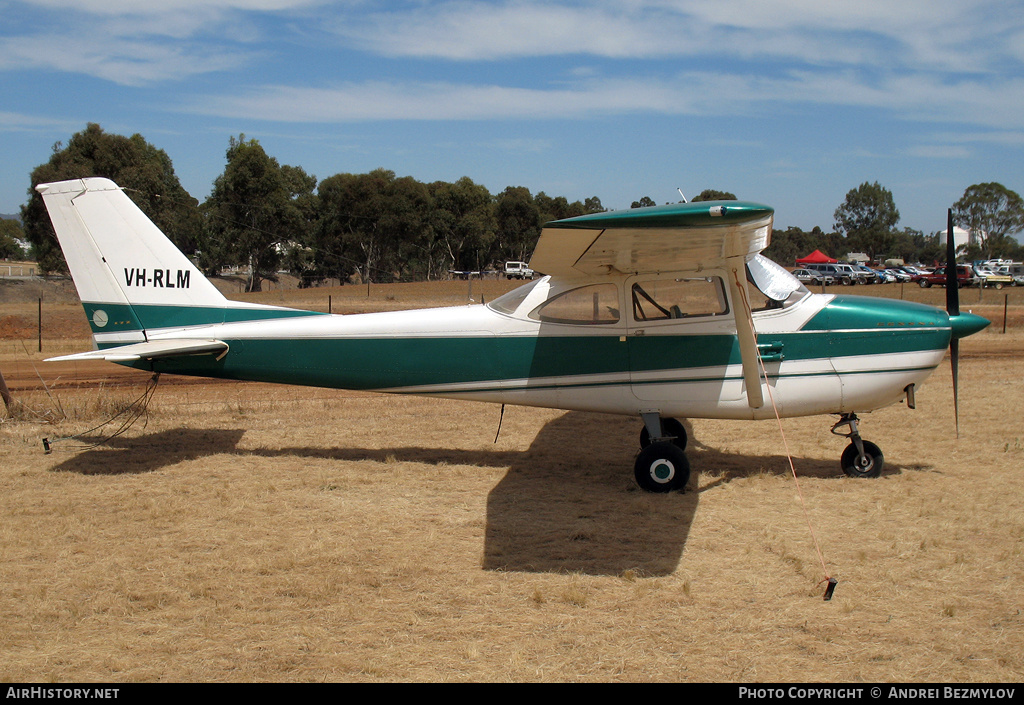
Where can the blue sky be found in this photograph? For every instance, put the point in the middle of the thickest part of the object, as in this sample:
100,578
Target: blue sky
790,103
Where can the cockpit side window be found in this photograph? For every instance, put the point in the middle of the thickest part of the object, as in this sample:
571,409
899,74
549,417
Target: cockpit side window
597,304
684,297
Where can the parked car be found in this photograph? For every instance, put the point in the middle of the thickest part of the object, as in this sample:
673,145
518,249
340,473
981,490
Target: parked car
518,270
990,277
965,276
914,272
997,281
870,275
856,275
898,275
809,276
842,273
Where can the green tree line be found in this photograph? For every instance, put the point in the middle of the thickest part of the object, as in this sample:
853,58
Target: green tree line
265,217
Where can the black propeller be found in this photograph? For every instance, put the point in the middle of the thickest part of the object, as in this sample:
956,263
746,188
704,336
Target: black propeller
953,309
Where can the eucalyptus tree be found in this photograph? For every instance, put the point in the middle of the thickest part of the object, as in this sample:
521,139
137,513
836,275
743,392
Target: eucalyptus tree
463,221
518,224
992,213
10,232
258,209
868,219
145,172
374,225
710,194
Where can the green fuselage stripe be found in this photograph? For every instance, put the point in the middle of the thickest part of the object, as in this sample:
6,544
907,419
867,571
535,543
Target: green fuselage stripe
117,318
847,326
382,363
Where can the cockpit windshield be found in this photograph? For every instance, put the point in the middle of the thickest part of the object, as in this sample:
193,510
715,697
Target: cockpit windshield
779,287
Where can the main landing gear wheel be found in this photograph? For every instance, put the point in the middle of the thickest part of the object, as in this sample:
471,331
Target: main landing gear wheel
661,467
670,427
866,464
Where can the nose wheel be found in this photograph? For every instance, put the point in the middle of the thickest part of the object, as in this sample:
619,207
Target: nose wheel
861,458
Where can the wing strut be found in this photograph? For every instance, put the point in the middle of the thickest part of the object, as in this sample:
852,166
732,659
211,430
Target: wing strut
736,267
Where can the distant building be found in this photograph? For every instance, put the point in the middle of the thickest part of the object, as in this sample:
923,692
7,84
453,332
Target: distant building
961,237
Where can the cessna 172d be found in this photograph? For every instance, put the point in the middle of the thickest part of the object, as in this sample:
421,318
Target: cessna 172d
663,313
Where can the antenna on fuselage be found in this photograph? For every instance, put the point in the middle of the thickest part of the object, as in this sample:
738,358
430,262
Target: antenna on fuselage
681,194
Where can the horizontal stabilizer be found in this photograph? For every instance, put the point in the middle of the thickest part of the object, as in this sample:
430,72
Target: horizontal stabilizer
152,350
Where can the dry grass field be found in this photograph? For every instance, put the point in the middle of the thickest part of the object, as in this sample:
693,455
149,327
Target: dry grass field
245,532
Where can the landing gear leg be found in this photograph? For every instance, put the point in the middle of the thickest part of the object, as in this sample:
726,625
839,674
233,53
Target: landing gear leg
861,458
661,465
670,430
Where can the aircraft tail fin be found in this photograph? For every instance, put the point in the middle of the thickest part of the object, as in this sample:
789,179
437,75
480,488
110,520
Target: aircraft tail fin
129,276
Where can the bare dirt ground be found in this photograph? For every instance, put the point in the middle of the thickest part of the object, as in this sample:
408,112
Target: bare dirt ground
246,532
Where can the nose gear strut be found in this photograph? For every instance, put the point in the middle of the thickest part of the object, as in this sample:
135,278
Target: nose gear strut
861,458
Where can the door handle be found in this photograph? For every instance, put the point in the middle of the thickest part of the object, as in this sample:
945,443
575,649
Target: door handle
771,352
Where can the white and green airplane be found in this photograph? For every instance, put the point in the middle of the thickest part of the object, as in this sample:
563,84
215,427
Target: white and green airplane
663,313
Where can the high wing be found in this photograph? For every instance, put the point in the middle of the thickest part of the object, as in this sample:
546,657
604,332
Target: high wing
668,238
676,237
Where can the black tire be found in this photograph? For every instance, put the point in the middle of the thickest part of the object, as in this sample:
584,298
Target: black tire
924,283
868,466
661,467
670,427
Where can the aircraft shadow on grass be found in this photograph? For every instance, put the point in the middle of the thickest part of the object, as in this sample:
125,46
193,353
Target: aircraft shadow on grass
567,504
146,453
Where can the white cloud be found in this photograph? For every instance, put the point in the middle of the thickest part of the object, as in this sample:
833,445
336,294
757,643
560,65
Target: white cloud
431,101
140,41
940,151
20,122
694,93
964,35
116,59
164,7
1005,138
130,43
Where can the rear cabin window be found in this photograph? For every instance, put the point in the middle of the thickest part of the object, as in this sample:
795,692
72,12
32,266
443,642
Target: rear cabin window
686,297
597,304
508,303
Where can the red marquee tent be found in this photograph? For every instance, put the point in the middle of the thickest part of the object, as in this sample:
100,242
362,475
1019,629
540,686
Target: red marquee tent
816,257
